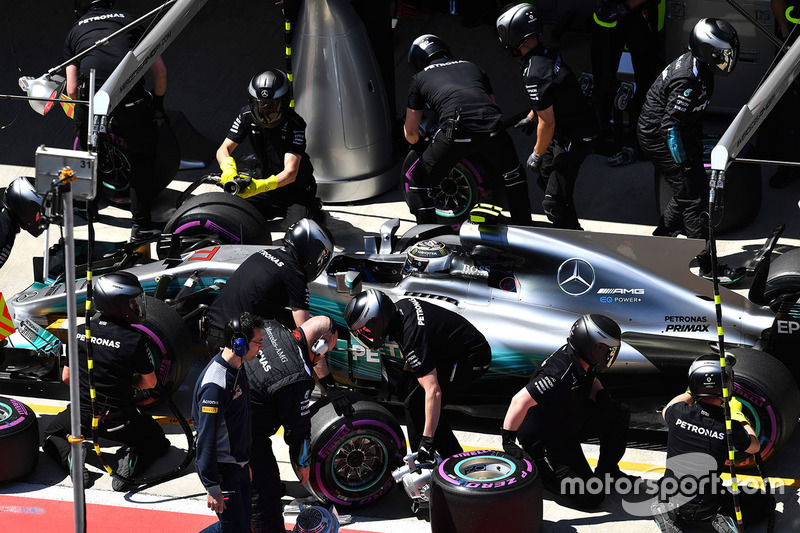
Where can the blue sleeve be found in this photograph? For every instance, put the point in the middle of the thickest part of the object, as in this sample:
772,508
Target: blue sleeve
208,416
675,144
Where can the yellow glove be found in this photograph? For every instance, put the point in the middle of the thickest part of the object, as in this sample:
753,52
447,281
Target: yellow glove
259,186
736,411
228,167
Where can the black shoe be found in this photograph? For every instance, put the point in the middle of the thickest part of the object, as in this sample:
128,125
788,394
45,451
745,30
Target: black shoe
87,478
624,157
725,274
126,468
724,524
665,518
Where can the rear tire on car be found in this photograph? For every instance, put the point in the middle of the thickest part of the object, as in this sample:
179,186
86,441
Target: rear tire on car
770,399
460,189
486,490
19,439
170,342
352,458
229,217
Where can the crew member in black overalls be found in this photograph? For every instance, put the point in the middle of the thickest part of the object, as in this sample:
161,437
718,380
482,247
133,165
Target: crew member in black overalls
280,387
670,133
635,25
567,122
122,362
132,120
272,280
221,414
462,97
282,184
441,348
563,404
21,209
697,448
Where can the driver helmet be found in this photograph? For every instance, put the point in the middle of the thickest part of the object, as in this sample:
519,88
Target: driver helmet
269,97
369,317
515,24
428,256
25,206
425,49
715,44
316,519
82,6
120,295
596,340
705,377
312,246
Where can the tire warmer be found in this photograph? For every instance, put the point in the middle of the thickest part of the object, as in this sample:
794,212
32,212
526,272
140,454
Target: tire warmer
147,481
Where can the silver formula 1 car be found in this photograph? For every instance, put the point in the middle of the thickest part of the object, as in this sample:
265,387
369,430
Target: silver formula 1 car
522,287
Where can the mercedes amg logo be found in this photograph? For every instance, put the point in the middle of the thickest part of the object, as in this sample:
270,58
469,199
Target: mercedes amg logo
575,277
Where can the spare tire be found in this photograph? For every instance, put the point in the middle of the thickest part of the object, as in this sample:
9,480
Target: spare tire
486,490
352,458
230,218
170,342
770,399
19,439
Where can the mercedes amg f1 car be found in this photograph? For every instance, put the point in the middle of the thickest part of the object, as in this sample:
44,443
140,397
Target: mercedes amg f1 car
522,287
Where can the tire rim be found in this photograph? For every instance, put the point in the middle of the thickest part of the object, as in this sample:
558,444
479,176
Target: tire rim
5,412
764,419
359,463
454,194
484,468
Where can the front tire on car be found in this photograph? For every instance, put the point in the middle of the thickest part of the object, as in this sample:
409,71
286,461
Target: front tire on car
770,399
352,458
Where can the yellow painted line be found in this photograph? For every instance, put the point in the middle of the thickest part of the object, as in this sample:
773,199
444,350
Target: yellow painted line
625,465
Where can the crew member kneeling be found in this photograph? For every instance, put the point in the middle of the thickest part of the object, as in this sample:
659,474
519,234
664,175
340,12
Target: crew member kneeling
563,404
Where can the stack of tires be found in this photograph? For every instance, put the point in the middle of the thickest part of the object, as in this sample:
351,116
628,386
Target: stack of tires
487,490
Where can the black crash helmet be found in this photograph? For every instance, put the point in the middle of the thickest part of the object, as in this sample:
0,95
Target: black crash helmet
706,377
269,97
120,295
596,340
312,246
515,24
82,6
25,206
425,49
715,44
369,316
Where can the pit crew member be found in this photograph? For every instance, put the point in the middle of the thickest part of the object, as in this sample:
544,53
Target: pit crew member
21,209
567,122
132,119
122,361
442,349
670,132
281,383
696,423
221,414
282,184
462,97
563,404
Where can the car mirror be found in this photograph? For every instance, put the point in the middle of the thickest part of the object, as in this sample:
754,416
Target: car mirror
349,282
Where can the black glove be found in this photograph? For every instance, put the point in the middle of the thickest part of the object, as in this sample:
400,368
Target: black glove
339,401
510,445
612,10
527,125
159,113
535,162
426,453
